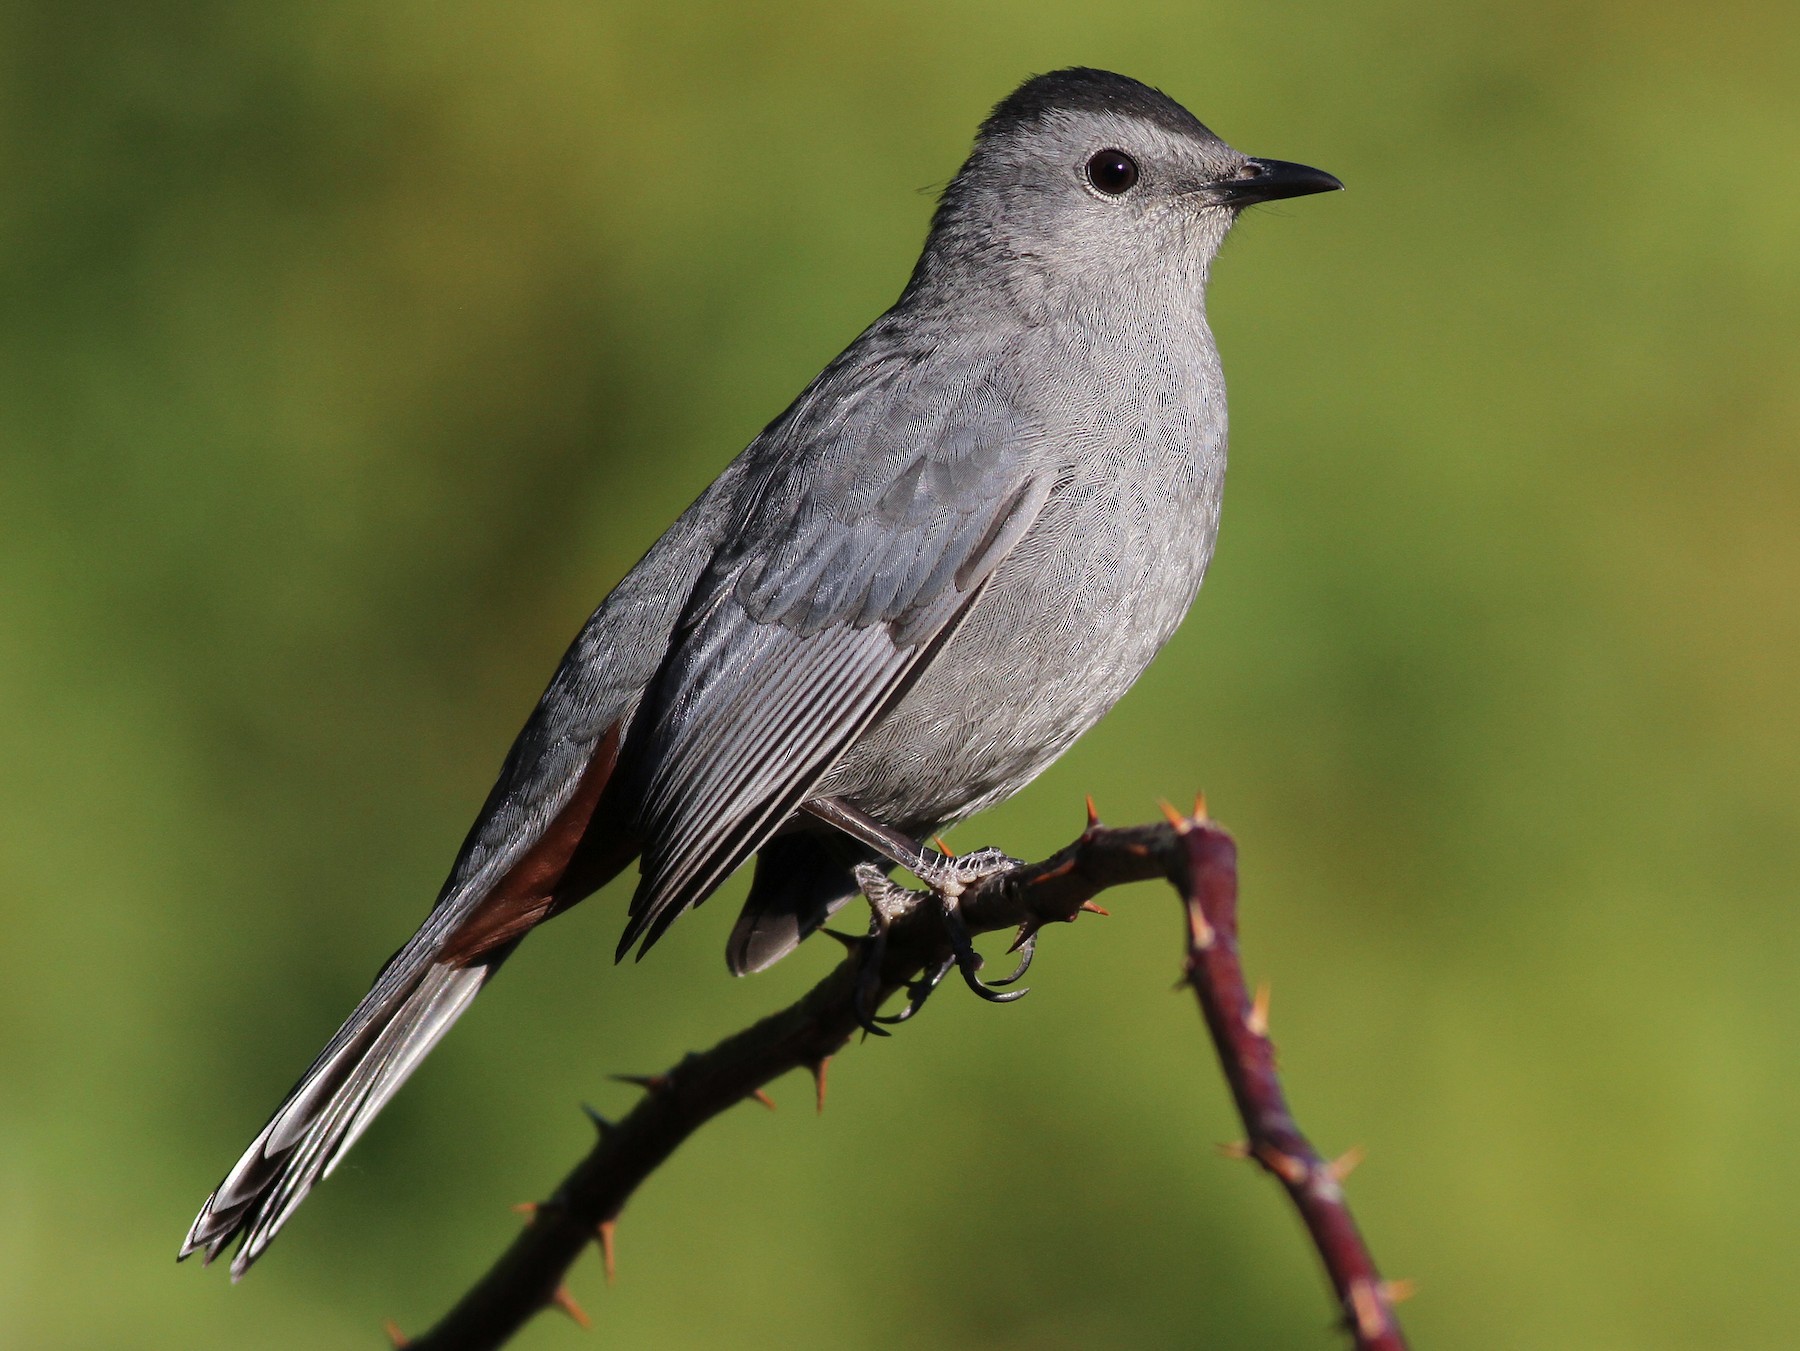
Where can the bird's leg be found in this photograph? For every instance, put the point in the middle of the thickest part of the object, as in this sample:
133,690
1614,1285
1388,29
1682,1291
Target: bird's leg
891,844
947,877
945,874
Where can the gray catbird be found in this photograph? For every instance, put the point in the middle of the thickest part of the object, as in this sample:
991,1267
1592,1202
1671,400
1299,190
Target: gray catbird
912,592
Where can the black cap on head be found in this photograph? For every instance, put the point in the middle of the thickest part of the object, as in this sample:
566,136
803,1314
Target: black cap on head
1083,89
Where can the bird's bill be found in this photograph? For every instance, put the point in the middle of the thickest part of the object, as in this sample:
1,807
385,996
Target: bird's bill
1268,180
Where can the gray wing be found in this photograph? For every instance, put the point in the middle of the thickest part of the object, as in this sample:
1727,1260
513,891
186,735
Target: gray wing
899,485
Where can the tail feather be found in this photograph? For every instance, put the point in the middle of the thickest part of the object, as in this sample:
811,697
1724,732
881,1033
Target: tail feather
801,879
380,1044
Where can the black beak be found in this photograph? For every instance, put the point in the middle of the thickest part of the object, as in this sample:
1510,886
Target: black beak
1266,180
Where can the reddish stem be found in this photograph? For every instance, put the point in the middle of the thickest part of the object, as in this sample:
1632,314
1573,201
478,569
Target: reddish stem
1247,1056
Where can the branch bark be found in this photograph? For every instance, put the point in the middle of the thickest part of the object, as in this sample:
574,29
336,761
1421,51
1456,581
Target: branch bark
1195,856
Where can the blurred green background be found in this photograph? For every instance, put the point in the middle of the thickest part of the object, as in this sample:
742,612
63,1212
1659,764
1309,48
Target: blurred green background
349,353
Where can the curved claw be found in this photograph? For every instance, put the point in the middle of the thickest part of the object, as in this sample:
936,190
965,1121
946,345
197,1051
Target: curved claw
1027,949
969,963
869,1022
919,991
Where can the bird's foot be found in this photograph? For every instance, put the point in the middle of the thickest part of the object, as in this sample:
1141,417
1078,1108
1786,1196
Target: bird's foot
950,875
888,900
947,878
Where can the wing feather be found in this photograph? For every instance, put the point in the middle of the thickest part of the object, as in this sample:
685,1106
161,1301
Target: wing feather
873,536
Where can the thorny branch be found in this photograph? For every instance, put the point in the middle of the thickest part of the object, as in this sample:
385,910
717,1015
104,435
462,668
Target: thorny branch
1194,855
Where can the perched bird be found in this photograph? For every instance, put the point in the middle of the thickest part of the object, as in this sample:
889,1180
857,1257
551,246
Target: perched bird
908,596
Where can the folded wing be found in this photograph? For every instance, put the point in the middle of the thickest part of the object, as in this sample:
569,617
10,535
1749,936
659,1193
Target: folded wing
897,495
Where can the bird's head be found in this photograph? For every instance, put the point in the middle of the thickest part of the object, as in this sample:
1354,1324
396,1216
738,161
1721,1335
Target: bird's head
1081,175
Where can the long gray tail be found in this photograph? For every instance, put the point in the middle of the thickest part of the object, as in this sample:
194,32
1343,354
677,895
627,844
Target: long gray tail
361,1067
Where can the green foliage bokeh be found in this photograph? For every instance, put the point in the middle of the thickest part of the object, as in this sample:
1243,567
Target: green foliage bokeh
349,353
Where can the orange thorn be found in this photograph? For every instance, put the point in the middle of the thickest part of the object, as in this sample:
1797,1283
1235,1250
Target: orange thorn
1093,812
943,848
763,1098
1365,1303
1346,1163
1285,1166
394,1335
1199,807
1093,909
1234,1149
1257,1020
566,1302
1398,1292
606,1247
818,1073
1175,818
525,1208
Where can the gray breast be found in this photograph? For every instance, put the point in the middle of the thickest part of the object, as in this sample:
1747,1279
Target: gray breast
1075,613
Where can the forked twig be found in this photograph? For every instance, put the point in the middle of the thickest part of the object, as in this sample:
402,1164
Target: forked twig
1196,856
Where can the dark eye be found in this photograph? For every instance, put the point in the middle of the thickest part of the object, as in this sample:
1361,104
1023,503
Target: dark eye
1112,171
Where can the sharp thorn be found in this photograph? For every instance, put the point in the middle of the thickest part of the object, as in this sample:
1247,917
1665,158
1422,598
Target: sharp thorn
1234,1149
395,1337
1285,1166
1365,1304
1398,1292
1257,1020
943,848
819,1067
601,1124
1093,909
851,942
650,1083
1093,813
1027,932
566,1302
1346,1163
763,1098
1199,808
1181,823
606,1247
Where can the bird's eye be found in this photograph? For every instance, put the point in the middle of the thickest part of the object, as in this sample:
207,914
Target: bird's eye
1112,171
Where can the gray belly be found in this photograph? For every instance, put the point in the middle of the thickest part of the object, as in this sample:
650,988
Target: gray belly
1064,628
